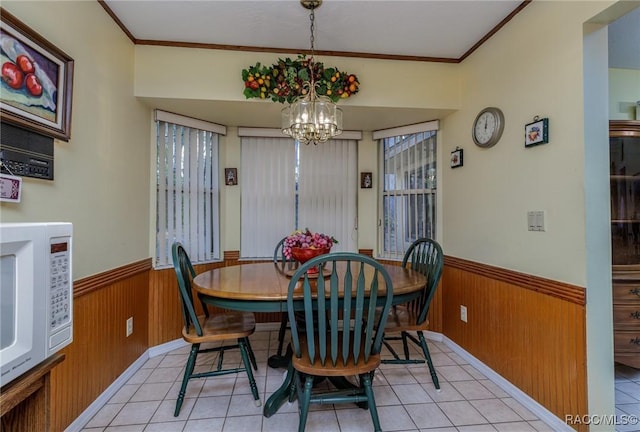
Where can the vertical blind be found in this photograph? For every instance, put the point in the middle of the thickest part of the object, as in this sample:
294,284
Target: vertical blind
287,186
187,192
268,170
328,190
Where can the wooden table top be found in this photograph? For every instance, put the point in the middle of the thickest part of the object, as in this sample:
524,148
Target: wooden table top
268,282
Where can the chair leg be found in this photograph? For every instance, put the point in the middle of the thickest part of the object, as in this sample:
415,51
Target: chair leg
303,402
405,345
293,386
368,390
283,329
191,362
427,356
242,343
252,356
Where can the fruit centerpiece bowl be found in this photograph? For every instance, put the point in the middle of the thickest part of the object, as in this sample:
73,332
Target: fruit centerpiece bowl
302,255
304,245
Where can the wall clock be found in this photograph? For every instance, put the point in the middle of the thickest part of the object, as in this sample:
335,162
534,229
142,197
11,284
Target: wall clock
488,127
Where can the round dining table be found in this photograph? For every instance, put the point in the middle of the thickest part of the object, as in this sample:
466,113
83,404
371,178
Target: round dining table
263,287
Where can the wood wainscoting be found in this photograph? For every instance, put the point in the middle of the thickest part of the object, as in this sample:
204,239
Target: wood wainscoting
530,330
100,351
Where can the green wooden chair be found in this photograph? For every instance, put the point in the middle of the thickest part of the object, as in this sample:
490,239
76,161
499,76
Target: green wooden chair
343,341
424,255
211,329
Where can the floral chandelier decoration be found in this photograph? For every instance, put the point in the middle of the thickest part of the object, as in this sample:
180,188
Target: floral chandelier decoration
284,81
309,89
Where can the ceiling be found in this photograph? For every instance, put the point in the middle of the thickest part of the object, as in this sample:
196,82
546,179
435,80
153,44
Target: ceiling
428,30
418,28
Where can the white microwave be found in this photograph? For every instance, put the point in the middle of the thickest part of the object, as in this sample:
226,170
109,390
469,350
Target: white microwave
36,294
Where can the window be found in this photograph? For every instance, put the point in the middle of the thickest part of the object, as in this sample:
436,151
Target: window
288,186
408,200
187,189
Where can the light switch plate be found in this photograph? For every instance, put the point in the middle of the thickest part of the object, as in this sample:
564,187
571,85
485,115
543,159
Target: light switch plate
536,220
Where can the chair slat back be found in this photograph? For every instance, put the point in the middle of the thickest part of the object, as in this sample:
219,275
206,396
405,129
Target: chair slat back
280,258
425,256
339,306
185,273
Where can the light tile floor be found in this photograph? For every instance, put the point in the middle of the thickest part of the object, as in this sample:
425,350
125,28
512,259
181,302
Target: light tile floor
627,399
405,397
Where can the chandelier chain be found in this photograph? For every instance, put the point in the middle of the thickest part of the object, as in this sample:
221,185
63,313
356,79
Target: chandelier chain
311,119
312,18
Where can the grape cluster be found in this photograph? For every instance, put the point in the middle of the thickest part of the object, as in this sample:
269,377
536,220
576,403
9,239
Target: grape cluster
307,239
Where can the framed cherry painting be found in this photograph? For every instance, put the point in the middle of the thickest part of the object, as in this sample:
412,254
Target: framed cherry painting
37,80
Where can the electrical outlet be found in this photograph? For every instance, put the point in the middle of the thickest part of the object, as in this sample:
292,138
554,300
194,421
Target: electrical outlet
129,326
463,313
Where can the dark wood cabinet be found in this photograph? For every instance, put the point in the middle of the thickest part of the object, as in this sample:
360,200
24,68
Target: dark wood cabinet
624,145
25,402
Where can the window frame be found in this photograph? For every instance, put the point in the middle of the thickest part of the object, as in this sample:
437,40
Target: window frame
429,168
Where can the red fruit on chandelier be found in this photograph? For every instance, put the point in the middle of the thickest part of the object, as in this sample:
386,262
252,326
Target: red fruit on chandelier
33,85
12,75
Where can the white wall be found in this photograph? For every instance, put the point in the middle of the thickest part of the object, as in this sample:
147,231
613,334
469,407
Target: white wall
532,67
599,326
101,175
218,77
624,93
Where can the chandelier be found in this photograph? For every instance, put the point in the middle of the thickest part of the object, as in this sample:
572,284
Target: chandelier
311,118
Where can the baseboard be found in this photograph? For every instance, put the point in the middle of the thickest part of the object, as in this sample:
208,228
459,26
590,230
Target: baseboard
527,401
166,347
433,336
84,418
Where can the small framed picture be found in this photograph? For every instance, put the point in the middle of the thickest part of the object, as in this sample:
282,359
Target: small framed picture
456,158
366,180
231,176
10,188
537,132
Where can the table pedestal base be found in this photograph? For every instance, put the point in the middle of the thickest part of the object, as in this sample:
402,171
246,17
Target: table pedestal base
277,362
275,401
278,398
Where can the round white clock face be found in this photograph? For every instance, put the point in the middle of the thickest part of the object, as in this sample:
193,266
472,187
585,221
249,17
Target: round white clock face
488,126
